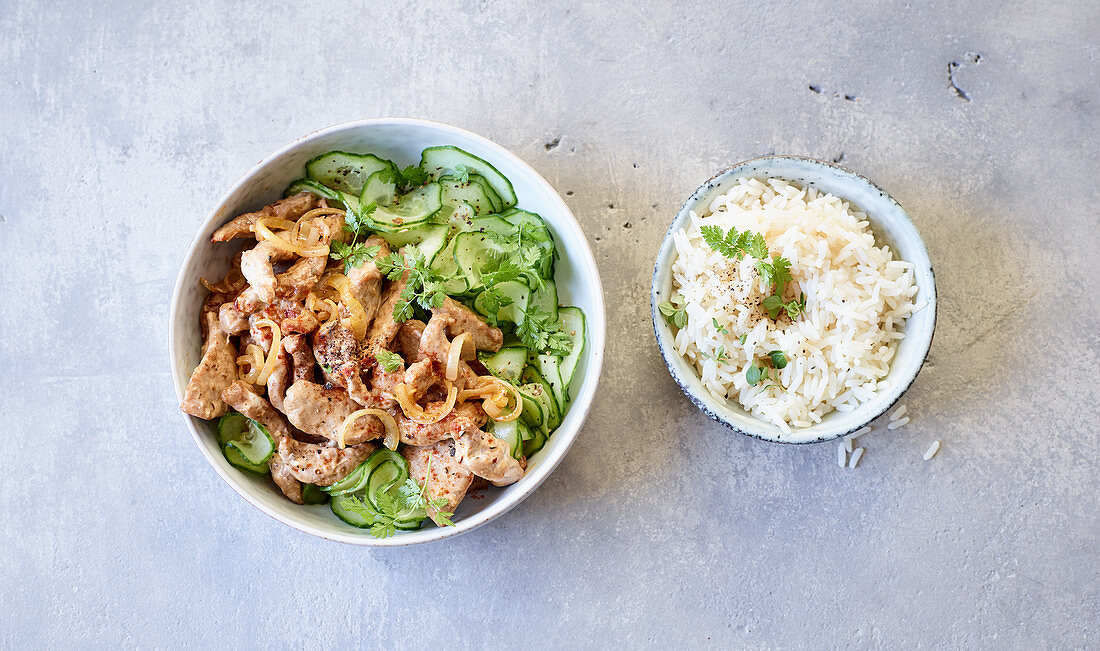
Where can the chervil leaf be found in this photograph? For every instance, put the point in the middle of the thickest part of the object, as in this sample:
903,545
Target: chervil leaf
727,245
353,255
413,176
756,246
540,332
357,218
461,174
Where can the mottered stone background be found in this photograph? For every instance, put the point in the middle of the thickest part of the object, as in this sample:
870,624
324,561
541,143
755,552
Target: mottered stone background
122,123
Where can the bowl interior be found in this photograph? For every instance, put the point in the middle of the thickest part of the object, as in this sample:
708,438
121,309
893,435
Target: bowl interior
402,141
891,226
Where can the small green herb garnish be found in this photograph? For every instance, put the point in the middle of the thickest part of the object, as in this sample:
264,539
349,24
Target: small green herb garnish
719,355
413,176
676,316
754,374
775,272
742,339
774,304
357,219
390,361
719,327
353,255
416,497
539,331
461,174
424,286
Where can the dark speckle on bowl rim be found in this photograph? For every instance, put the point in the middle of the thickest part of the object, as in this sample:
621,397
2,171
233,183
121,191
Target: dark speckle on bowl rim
709,185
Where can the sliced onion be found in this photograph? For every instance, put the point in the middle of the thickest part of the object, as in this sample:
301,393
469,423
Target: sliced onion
276,342
393,436
416,413
460,344
357,316
496,402
254,360
263,231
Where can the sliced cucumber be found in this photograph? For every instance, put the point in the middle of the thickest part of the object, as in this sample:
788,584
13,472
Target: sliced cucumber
312,494
456,193
429,238
454,281
531,375
512,312
409,210
357,515
309,185
494,198
474,252
535,444
492,223
445,160
571,320
355,481
549,367
381,474
381,188
507,363
510,433
543,419
245,443
387,470
346,172
546,299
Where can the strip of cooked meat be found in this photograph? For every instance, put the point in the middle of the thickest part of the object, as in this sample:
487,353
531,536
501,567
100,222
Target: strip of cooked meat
301,355
464,417
290,209
256,268
291,316
279,379
420,377
284,479
231,320
317,410
408,340
383,329
335,347
485,336
323,465
487,456
437,470
240,397
296,282
366,280
216,370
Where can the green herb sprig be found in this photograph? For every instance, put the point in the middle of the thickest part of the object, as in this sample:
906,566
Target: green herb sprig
774,271
424,286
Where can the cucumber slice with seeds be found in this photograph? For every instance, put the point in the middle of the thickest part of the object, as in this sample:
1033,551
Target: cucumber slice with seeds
344,171
445,160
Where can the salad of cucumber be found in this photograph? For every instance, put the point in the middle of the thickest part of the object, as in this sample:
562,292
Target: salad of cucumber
393,340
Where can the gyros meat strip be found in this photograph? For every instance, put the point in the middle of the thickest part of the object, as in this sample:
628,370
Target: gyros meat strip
366,280
289,209
284,479
240,397
216,371
487,456
279,379
323,465
465,417
301,356
317,410
436,469
256,268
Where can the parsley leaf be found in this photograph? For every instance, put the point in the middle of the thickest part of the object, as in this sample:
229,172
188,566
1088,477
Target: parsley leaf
390,361
424,286
539,331
353,255
413,176
357,218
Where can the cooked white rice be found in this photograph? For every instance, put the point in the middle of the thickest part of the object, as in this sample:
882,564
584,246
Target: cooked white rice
857,299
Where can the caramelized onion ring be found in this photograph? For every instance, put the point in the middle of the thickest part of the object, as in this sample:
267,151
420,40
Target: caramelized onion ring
273,352
393,436
416,413
461,344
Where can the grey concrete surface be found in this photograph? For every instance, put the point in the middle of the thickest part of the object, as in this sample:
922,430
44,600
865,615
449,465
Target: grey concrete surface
122,122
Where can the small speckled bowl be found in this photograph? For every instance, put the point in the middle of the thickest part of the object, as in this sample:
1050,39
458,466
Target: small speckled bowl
400,139
891,226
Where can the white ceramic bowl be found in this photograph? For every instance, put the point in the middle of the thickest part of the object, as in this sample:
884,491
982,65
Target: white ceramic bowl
890,224
402,140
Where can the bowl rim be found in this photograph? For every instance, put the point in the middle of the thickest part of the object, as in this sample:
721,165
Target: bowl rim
663,333
582,403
